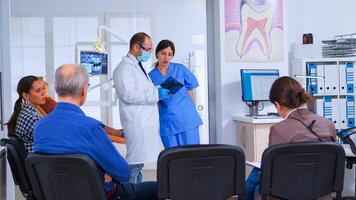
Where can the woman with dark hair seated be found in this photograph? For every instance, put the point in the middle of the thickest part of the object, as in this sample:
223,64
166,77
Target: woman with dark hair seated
299,125
25,115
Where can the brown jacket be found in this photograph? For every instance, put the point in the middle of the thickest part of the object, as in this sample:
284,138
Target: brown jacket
291,130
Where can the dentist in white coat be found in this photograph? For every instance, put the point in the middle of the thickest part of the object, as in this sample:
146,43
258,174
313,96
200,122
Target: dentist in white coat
138,99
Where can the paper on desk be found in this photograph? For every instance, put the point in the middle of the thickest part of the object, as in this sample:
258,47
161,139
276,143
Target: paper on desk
254,164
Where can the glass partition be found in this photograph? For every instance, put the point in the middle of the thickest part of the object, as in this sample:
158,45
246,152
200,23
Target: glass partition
46,34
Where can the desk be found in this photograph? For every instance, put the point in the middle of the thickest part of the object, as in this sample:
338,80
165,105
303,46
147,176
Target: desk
2,172
252,135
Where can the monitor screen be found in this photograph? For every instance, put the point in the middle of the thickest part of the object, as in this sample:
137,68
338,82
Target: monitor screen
94,62
256,83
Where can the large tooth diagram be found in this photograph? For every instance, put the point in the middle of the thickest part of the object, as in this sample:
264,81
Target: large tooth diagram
254,21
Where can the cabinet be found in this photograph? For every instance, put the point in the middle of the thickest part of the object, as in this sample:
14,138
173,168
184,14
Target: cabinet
332,83
252,135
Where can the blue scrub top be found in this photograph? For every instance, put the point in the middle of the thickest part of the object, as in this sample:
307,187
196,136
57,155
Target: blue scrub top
177,113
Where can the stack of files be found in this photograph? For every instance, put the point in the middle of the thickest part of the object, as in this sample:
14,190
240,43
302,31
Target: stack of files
341,47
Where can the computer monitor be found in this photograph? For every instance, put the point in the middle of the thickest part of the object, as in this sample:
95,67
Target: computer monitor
256,83
94,62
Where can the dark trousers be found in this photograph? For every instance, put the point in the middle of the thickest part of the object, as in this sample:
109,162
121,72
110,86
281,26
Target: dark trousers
139,191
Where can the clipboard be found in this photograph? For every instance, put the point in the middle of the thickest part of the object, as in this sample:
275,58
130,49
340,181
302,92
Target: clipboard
172,85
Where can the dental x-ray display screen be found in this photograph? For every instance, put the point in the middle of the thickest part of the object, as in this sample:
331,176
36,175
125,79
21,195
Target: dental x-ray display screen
256,83
94,62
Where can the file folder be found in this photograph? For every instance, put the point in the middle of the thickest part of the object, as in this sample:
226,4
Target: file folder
347,78
347,112
331,73
335,113
343,114
327,108
319,107
320,82
315,85
350,111
312,82
331,111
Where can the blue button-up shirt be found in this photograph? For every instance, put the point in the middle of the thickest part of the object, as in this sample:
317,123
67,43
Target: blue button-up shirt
68,130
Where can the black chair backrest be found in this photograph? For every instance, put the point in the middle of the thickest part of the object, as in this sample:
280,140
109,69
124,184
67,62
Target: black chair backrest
63,177
302,170
206,172
16,155
348,137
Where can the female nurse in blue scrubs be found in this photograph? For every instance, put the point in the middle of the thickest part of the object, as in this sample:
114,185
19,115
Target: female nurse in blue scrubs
179,119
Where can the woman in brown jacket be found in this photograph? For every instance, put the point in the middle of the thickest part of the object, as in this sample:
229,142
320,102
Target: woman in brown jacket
299,124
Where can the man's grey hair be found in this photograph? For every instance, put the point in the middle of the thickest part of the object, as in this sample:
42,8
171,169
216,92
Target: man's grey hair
69,79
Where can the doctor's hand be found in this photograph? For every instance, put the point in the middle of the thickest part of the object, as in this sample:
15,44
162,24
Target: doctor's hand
163,93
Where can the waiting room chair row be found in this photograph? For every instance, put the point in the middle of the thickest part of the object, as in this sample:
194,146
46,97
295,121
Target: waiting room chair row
209,172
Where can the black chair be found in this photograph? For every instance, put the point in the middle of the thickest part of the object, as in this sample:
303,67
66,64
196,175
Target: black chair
208,172
347,136
16,155
302,170
63,177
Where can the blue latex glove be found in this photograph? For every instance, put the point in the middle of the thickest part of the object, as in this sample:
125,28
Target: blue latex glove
163,93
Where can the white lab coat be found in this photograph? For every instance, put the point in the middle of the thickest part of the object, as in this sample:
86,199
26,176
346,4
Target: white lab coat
138,111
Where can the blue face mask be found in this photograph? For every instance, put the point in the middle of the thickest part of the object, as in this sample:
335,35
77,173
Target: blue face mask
145,56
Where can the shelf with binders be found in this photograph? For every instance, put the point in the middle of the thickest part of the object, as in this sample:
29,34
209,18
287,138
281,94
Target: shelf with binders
331,81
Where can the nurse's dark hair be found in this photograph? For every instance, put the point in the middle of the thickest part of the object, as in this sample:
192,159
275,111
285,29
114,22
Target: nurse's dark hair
24,86
138,38
164,44
289,93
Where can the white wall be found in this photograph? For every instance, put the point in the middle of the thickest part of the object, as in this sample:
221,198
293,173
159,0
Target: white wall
323,18
231,84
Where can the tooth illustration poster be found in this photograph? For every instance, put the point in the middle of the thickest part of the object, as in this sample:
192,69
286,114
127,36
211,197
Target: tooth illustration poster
254,30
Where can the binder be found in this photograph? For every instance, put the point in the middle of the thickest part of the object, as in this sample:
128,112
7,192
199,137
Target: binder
320,82
347,112
319,107
347,78
312,82
331,73
343,114
327,108
350,111
350,77
331,111
335,113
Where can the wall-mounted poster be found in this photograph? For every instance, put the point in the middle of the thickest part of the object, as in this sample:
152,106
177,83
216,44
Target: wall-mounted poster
254,30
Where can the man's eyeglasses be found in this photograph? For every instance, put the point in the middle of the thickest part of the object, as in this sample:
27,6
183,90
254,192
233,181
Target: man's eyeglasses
144,48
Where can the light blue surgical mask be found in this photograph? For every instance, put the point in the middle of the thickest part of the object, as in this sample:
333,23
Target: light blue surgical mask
145,56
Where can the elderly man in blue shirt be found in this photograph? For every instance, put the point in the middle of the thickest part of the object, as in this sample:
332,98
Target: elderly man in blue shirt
68,130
